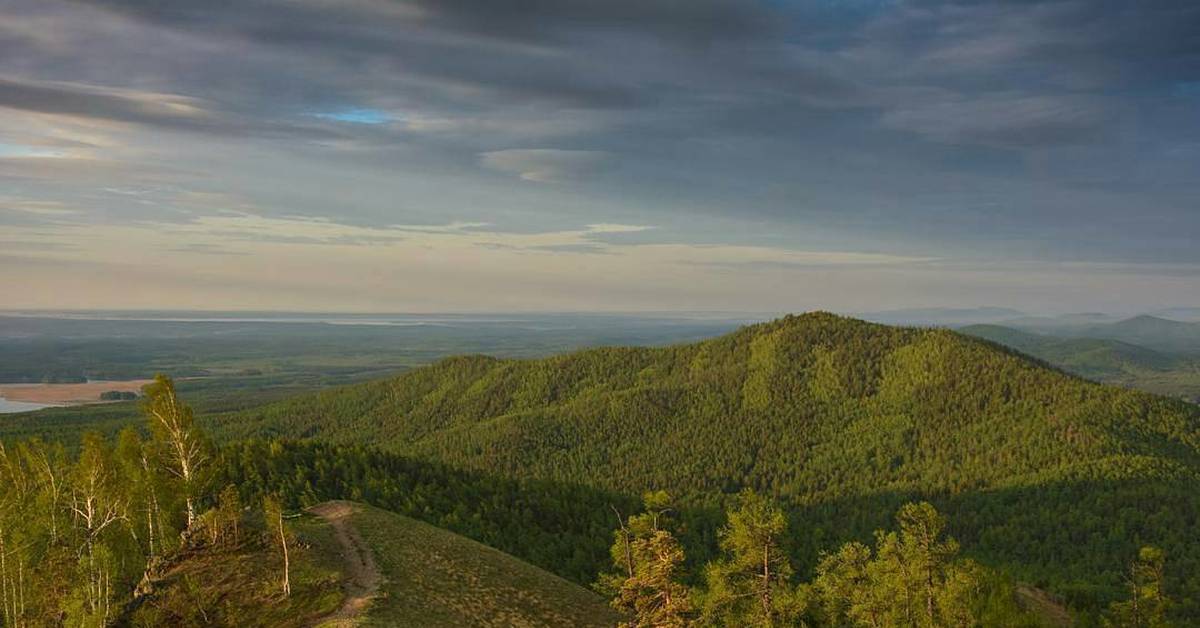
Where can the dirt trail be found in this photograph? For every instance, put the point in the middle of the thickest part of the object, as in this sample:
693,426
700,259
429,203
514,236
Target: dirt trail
362,576
1043,605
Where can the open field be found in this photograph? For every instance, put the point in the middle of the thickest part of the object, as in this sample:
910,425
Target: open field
68,394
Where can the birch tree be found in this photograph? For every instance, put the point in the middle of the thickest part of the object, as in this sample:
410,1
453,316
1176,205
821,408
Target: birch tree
273,517
96,504
178,438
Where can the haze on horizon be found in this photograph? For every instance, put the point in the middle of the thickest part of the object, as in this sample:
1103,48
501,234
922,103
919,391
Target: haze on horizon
569,155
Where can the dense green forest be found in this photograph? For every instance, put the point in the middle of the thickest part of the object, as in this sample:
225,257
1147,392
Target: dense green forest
1045,479
1048,476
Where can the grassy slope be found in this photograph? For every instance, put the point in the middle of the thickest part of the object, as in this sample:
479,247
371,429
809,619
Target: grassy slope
1048,475
240,586
436,578
431,578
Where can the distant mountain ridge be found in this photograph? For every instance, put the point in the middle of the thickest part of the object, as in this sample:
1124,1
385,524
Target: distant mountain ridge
1152,332
941,316
1090,357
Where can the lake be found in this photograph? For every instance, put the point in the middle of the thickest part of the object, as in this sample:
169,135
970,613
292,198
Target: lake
9,407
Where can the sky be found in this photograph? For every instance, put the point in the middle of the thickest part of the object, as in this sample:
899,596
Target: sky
617,155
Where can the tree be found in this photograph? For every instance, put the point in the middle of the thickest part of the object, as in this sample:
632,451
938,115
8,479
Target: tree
228,515
174,428
750,585
1148,603
48,464
922,559
97,503
650,560
141,478
273,516
912,579
844,585
14,499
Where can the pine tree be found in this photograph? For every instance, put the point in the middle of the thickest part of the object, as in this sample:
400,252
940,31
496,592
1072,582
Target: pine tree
912,579
650,560
1148,603
750,585
229,515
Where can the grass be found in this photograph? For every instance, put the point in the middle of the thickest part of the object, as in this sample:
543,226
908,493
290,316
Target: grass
431,578
436,578
240,585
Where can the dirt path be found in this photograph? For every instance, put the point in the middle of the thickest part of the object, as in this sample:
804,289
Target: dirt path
362,576
1043,605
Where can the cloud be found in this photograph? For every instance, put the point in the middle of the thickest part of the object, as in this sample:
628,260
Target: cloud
1004,120
605,227
81,101
1047,129
587,249
545,165
36,207
205,248
20,150
100,102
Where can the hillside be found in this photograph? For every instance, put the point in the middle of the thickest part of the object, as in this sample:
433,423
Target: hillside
1159,334
433,578
1101,359
238,584
1052,477
1089,357
357,565
1156,333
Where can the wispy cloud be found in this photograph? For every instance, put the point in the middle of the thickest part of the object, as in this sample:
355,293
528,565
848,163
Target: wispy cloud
544,165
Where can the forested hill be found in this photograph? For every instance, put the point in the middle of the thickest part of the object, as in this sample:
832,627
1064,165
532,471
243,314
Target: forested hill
1052,477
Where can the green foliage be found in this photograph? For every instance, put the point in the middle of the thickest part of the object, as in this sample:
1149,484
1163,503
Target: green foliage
77,536
912,578
1043,474
559,527
750,585
1148,602
183,450
648,558
235,582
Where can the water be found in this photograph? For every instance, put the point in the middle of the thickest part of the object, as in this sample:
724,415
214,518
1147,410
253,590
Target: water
9,407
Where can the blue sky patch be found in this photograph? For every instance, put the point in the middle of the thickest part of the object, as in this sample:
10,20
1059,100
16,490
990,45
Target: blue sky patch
356,115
